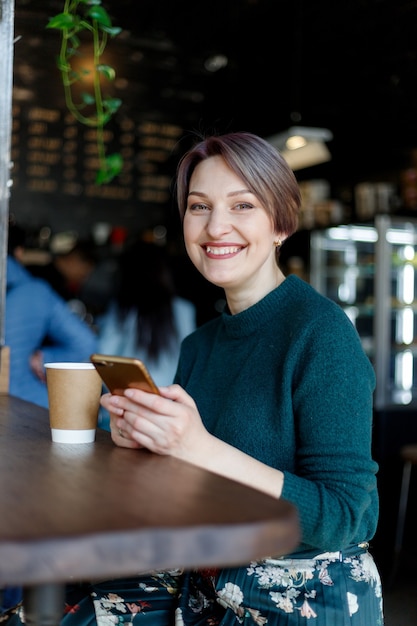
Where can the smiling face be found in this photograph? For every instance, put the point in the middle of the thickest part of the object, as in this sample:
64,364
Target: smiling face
229,235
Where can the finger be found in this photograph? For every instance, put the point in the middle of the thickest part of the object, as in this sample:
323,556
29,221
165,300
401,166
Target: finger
112,404
177,394
122,439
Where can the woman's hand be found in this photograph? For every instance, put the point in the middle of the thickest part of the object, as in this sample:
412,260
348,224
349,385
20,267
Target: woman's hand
37,366
165,424
117,433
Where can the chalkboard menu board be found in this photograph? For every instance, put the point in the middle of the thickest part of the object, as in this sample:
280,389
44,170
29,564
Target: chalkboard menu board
55,157
55,162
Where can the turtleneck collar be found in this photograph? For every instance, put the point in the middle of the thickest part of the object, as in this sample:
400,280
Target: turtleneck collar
251,319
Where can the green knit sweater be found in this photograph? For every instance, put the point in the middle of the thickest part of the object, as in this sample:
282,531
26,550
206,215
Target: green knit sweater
287,382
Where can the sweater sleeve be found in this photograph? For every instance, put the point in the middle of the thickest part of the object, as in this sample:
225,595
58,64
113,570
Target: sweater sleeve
334,482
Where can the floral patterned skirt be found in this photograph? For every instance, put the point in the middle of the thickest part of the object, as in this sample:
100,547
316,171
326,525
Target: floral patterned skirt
331,589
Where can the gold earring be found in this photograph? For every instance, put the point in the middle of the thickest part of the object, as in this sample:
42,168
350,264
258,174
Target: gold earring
278,243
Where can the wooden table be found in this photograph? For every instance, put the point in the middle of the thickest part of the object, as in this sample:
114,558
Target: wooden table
88,511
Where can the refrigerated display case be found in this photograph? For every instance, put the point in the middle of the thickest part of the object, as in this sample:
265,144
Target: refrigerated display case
370,270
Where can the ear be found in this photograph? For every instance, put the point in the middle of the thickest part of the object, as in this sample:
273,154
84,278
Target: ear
279,238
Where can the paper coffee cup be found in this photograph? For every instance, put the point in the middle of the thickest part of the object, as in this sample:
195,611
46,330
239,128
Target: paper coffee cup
74,391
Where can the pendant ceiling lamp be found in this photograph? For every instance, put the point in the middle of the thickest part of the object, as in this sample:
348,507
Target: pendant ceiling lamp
303,146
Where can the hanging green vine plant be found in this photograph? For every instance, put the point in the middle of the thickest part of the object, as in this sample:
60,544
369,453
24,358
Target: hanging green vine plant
94,109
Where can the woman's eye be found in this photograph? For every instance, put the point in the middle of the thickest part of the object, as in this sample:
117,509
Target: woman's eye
198,207
242,206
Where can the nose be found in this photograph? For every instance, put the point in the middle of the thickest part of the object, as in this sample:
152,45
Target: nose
218,223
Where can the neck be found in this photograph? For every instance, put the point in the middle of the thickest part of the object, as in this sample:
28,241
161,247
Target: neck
242,299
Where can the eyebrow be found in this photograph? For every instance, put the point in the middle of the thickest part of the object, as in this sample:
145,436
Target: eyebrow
229,195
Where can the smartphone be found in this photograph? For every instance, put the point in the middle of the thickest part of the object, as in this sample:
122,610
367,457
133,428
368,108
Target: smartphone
119,373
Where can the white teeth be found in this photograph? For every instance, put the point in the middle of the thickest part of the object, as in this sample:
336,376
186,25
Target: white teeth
225,250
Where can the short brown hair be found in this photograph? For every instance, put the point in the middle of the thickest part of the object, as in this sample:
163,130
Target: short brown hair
259,164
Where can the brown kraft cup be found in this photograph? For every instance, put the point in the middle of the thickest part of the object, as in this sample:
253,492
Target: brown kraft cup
74,391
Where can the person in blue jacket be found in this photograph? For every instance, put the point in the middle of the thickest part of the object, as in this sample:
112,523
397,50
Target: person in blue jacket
39,327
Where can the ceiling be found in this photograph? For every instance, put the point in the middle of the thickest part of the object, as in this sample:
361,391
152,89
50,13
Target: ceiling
347,66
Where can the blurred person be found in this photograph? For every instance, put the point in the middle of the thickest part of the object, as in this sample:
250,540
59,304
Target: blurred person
81,278
146,319
68,270
39,326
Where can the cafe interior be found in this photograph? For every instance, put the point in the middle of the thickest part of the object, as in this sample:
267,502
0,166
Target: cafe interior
340,78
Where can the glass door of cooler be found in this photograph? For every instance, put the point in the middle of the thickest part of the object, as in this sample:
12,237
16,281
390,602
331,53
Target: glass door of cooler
370,270
342,267
396,315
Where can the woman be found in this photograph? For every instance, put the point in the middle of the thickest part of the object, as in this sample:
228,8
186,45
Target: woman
275,393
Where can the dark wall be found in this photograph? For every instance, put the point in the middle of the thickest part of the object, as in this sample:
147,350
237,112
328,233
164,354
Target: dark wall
281,59
393,428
